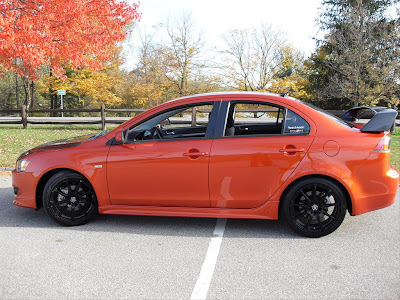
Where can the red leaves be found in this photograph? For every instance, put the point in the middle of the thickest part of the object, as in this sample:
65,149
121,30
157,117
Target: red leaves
76,33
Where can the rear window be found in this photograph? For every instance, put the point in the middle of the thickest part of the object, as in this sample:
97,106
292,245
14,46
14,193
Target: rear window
329,115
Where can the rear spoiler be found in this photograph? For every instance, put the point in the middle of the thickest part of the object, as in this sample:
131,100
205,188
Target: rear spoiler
381,118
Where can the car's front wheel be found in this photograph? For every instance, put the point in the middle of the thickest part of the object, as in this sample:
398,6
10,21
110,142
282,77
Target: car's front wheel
314,207
69,198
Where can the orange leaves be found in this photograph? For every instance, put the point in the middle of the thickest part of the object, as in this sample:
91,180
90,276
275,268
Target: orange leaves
72,33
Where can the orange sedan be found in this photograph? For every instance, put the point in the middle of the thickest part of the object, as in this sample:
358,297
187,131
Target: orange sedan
221,155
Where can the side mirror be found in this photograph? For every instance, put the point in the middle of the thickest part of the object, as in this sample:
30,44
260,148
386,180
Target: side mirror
119,137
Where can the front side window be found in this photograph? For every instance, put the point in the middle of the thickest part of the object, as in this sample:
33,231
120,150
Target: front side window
246,119
179,123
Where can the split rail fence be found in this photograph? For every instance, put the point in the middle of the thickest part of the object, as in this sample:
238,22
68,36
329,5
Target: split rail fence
23,116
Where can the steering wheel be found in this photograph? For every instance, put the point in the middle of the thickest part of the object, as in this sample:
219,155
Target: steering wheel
156,133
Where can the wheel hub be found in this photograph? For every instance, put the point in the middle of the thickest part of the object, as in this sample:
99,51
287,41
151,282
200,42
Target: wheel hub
314,207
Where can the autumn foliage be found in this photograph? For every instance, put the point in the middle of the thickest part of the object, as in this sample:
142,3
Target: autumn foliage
73,33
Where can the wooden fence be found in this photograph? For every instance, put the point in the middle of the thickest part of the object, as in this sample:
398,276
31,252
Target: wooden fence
24,119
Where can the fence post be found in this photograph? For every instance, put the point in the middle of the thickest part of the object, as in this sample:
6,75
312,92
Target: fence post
24,117
194,116
103,117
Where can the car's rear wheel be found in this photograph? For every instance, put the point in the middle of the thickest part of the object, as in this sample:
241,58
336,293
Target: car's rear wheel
314,207
69,198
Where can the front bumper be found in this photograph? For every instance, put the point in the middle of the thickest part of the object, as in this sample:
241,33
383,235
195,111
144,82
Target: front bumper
24,184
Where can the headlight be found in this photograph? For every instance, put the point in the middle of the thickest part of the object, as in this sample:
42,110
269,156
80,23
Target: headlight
22,164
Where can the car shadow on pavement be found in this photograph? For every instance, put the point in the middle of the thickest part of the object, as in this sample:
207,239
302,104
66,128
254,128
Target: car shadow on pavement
14,216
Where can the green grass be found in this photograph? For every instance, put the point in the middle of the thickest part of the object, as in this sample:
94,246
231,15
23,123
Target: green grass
395,146
15,140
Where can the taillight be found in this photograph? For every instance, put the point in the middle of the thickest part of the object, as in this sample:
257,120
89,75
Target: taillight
383,145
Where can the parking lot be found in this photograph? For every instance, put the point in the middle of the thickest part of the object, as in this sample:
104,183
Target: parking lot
166,258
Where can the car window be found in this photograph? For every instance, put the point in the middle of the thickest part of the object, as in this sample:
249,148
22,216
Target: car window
183,122
189,117
294,124
254,118
327,114
263,119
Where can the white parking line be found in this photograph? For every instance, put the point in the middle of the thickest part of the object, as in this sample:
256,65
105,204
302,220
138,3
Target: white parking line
203,282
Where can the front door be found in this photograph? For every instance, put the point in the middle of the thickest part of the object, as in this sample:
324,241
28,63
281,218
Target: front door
165,163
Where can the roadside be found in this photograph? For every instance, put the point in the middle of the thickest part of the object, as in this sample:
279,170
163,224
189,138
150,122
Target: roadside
144,257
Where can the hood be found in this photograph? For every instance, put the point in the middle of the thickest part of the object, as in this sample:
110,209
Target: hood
58,144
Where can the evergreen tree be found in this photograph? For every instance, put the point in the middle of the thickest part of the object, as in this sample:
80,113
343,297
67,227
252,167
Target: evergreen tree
358,60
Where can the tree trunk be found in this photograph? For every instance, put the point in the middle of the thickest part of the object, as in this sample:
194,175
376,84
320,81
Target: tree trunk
32,90
16,90
52,100
53,103
28,99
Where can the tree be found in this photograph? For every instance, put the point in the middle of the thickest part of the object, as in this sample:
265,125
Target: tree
255,54
169,65
360,51
183,50
289,75
72,34
94,87
7,90
149,82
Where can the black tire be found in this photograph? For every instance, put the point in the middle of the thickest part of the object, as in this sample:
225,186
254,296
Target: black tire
69,199
314,207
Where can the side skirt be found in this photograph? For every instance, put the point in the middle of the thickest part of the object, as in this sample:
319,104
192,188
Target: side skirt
268,211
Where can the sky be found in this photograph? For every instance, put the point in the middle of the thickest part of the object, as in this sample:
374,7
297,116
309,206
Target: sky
295,18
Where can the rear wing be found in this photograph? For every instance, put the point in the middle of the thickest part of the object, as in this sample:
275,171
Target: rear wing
381,118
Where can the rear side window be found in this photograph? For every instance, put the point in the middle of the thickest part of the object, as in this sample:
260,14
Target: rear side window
255,118
294,124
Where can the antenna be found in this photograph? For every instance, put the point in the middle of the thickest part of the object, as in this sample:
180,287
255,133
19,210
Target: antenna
285,94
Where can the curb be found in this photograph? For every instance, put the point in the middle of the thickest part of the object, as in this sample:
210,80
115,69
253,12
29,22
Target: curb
6,169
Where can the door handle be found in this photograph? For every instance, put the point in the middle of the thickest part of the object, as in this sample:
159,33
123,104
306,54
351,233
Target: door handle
291,150
192,154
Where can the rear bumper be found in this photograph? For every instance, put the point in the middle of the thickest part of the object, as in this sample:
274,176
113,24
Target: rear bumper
24,184
387,195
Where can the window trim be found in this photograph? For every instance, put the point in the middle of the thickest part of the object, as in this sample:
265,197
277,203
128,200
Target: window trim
224,110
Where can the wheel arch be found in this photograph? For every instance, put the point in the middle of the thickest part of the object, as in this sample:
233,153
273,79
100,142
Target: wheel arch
45,177
337,182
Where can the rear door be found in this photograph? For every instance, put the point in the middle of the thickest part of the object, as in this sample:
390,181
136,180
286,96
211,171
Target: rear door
259,147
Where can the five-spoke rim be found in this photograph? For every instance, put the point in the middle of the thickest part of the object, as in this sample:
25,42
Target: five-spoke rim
72,198
314,207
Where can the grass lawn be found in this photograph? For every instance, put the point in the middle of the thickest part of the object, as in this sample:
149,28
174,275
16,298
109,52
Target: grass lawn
395,146
15,140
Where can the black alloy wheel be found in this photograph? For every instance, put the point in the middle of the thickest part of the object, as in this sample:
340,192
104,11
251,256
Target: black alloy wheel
314,207
69,199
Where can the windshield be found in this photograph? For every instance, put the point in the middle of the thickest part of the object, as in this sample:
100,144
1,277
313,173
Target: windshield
329,115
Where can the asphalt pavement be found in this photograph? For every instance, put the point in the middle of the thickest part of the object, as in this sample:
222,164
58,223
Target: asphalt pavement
134,257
